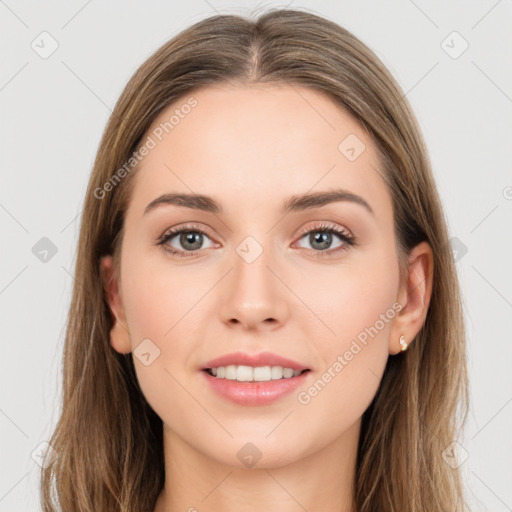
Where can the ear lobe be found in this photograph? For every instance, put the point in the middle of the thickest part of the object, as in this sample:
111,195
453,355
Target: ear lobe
414,296
119,335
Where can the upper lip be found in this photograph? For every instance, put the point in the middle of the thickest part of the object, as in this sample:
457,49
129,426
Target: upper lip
261,359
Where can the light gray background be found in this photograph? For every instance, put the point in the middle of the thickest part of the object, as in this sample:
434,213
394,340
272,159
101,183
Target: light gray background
53,112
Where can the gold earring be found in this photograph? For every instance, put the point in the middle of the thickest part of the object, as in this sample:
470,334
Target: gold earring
403,343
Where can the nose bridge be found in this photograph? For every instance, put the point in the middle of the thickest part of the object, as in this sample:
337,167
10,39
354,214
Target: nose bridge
252,293
252,279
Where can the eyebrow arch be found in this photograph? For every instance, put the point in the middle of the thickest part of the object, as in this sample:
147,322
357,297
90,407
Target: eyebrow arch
293,204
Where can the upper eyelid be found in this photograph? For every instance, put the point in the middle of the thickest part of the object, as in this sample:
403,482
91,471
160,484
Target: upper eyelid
322,225
325,225
176,230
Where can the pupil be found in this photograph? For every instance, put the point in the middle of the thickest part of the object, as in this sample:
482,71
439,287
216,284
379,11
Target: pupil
324,239
189,238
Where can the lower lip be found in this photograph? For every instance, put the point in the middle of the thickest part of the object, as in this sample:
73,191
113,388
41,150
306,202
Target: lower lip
254,393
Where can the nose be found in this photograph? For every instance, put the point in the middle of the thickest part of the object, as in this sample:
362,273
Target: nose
252,296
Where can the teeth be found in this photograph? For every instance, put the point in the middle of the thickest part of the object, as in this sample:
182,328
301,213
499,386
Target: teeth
244,373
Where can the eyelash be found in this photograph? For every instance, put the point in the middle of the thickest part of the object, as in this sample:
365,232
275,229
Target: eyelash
348,239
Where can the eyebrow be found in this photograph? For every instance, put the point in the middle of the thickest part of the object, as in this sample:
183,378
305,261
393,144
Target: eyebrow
295,203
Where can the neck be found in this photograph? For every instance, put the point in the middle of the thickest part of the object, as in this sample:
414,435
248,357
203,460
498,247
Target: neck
322,480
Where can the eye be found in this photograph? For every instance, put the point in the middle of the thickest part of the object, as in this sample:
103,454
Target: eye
189,240
320,238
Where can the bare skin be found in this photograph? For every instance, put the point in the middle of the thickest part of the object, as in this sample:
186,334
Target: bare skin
251,148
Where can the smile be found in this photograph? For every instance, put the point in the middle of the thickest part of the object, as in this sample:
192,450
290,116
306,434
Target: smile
244,373
251,392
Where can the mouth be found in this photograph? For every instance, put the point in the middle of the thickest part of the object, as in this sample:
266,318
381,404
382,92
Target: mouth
254,386
244,373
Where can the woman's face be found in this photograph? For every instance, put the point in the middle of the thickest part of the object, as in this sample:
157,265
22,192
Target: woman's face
260,270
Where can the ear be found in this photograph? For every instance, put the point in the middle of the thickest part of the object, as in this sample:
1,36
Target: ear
119,335
414,296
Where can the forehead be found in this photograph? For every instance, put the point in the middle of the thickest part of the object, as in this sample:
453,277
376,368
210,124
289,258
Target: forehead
248,143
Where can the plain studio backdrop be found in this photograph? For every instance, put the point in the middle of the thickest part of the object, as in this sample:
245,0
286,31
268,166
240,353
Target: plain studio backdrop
64,65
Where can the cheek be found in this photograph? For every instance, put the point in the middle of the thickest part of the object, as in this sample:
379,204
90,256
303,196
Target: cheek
357,313
353,362
160,308
159,299
351,298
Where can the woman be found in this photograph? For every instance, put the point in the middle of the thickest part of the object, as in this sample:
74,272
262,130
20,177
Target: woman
266,313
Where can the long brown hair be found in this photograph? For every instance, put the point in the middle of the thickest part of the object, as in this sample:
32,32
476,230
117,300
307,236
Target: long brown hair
108,439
